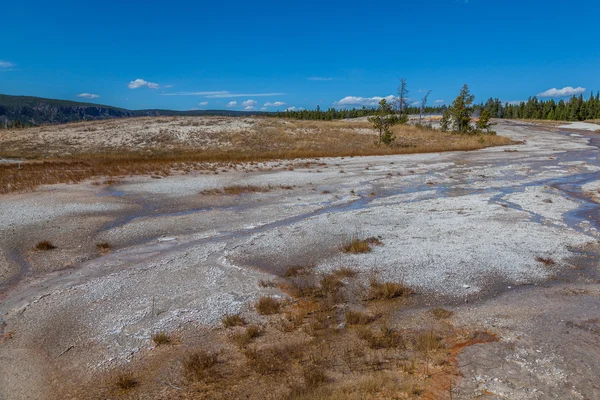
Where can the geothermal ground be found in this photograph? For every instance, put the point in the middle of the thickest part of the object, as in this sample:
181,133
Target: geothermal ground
505,237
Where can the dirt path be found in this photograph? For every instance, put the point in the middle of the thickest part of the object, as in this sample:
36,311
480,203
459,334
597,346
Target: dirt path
457,227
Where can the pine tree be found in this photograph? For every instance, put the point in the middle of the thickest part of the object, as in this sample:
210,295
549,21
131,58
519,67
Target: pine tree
383,120
461,110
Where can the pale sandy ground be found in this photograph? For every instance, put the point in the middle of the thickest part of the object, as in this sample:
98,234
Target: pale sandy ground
462,229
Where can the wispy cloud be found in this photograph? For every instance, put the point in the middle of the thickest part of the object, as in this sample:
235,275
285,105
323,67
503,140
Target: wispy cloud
319,78
88,95
203,103
232,104
438,101
138,83
6,65
361,101
564,92
222,94
249,103
263,109
275,104
292,108
249,108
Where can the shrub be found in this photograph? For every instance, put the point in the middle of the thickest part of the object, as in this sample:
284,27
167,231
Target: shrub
313,375
267,305
242,339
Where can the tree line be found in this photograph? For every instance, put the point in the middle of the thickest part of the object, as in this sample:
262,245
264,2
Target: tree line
574,109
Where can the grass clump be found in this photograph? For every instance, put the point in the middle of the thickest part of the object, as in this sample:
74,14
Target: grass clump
161,338
45,245
344,272
231,320
387,290
441,313
244,338
103,247
199,364
356,246
299,270
358,318
267,305
386,338
126,381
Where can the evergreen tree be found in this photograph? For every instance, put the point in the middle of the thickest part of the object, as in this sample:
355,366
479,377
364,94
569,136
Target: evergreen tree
383,120
461,110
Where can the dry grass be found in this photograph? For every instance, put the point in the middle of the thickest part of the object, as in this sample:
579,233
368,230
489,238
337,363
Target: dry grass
267,305
103,247
161,338
198,365
441,313
298,270
45,245
67,154
231,320
245,337
126,381
359,318
344,272
387,290
356,245
545,260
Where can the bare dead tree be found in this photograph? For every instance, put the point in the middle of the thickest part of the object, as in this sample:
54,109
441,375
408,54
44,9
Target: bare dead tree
423,104
402,97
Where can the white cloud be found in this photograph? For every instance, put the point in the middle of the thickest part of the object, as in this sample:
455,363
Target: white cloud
263,109
168,86
232,104
438,101
292,108
6,65
564,92
138,83
222,94
276,104
249,103
319,78
362,101
515,102
88,95
203,103
249,108
415,103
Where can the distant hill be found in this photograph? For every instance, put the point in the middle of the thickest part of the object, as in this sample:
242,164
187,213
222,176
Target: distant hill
32,111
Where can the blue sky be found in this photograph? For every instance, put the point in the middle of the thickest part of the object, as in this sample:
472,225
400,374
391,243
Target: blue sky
267,54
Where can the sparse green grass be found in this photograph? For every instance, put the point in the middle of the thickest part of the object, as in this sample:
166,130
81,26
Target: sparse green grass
45,245
161,338
267,305
231,320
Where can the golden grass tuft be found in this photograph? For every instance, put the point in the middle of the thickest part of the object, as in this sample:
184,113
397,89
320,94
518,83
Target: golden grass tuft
103,247
267,305
359,318
231,320
387,290
198,365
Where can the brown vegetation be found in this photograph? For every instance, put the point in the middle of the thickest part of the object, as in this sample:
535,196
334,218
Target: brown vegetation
107,154
231,320
161,338
45,245
267,305
387,290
